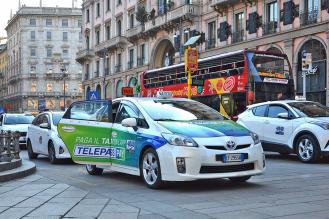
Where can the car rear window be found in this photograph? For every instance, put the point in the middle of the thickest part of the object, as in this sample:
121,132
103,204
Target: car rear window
259,110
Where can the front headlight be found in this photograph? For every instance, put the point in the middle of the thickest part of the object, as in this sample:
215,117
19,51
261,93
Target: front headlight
323,125
255,137
179,140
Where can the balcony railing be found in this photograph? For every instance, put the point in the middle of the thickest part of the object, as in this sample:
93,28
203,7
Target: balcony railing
270,27
111,44
140,61
210,43
174,15
308,17
130,64
237,36
117,68
107,71
96,74
84,54
134,32
222,3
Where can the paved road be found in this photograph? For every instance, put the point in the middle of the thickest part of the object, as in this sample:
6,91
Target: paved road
289,189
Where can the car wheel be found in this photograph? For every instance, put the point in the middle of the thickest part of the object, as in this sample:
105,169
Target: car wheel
52,153
30,152
308,149
240,179
93,170
150,169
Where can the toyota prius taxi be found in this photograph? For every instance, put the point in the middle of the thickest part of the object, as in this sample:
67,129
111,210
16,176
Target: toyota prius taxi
160,140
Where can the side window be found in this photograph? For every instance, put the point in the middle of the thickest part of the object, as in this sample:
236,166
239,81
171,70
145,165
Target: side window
45,119
90,110
35,120
273,111
115,109
124,113
1,118
259,111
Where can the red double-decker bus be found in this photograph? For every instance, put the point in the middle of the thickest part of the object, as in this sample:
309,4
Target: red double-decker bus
231,81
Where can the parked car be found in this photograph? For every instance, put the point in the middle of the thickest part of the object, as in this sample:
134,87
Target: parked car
43,138
16,122
160,140
290,126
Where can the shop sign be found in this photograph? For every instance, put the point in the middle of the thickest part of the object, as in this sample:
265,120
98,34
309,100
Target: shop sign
127,91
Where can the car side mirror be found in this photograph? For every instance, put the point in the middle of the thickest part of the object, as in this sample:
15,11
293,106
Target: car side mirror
283,116
44,126
130,122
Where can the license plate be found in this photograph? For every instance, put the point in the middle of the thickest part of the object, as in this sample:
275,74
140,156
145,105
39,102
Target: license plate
233,158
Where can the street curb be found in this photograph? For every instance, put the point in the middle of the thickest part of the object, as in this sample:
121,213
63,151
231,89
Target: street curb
4,166
26,169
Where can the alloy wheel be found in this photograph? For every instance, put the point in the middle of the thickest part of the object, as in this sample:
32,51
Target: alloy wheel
150,168
305,149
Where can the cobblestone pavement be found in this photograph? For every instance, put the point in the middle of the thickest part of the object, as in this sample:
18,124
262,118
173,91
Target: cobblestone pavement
289,189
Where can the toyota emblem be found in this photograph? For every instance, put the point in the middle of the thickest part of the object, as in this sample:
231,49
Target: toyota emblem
230,145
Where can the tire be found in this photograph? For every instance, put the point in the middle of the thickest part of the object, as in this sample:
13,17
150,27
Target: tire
30,152
52,153
241,179
150,169
93,170
307,149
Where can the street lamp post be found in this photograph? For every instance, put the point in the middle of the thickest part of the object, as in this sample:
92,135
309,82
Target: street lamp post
64,72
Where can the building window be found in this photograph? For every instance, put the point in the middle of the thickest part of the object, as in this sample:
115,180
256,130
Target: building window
87,76
310,15
98,10
33,87
79,23
33,69
49,68
131,20
271,19
97,69
49,22
119,28
108,5
238,34
65,22
87,43
107,69
118,66
33,35
141,60
108,32
33,52
65,36
131,59
119,2
65,53
188,2
87,16
48,35
211,35
49,52
33,22
49,87
97,37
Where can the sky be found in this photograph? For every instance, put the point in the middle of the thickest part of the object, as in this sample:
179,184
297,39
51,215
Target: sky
6,6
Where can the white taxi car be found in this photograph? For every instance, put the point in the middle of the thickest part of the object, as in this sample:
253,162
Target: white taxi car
290,126
160,140
43,138
18,122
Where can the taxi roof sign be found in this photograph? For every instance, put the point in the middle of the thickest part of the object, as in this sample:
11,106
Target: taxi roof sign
164,94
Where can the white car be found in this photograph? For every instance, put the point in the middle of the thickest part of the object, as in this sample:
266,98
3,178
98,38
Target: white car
160,140
16,123
43,138
290,126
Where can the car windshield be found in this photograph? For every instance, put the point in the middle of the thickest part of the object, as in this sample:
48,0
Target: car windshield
57,117
179,110
18,119
310,109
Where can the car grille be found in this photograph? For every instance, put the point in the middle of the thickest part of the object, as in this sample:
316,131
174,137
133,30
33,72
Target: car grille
227,169
220,147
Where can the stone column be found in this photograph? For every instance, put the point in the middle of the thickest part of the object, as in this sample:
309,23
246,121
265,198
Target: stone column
289,51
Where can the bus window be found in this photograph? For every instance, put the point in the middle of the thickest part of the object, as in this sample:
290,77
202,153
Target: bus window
226,103
211,101
239,103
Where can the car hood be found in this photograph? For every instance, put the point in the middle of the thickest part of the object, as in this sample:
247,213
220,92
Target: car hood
317,119
17,127
205,129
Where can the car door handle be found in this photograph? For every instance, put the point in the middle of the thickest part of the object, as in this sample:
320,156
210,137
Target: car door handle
267,122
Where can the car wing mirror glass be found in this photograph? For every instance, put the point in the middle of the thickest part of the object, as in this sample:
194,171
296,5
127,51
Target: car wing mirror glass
283,116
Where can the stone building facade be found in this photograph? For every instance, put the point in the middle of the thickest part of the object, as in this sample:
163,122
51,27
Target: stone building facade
3,72
121,40
42,70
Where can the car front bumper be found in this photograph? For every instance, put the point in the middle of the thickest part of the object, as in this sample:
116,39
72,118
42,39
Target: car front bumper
200,163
